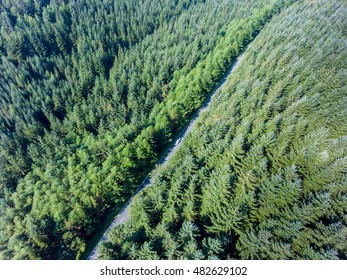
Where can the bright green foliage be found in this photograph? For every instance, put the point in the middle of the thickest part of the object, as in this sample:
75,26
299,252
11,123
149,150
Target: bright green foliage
91,92
263,174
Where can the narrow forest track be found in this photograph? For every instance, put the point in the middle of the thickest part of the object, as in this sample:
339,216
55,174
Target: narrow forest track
123,215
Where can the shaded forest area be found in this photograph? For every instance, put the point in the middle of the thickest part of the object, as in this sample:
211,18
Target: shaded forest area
91,92
263,175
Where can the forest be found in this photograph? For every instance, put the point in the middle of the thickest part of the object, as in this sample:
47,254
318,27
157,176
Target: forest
92,92
263,174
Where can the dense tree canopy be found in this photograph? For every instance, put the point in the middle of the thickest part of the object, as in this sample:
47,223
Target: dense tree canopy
263,174
91,92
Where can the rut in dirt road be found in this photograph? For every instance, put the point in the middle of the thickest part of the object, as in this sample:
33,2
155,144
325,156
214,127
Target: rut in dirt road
123,215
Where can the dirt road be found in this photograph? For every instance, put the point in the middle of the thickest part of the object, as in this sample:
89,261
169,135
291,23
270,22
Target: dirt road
123,215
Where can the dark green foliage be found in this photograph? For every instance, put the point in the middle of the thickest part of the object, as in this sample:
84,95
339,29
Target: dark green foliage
91,92
263,174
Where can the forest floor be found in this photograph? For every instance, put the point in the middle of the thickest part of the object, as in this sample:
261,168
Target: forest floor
123,214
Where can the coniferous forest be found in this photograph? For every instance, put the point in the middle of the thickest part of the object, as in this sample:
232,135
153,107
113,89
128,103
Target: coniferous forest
263,174
93,92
